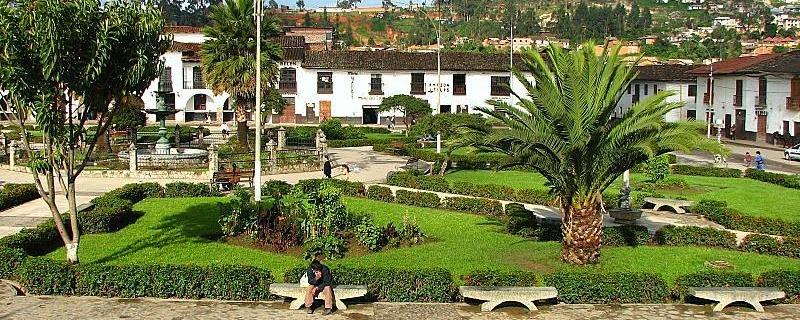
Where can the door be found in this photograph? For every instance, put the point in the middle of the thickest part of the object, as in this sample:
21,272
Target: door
741,120
445,108
787,138
311,113
369,115
324,110
727,131
288,114
761,125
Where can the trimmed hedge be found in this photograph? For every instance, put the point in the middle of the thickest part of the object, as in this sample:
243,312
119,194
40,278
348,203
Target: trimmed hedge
10,259
759,243
705,171
225,282
135,192
474,205
491,191
718,212
45,276
390,284
35,241
380,193
785,180
189,189
695,236
418,199
710,278
615,287
786,280
503,278
627,235
534,196
13,194
110,215
348,188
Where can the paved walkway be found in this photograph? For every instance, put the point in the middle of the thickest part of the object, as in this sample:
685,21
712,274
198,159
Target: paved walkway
105,308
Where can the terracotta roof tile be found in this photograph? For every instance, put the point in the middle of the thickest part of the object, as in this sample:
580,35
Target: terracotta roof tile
393,60
181,29
190,52
734,65
788,62
669,72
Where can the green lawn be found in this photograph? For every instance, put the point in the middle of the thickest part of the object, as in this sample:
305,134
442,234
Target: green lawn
747,195
173,230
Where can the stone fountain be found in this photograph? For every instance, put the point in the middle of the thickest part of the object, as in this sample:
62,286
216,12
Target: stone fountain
625,214
161,112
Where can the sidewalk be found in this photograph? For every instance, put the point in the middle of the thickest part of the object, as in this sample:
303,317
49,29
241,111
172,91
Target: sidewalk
754,144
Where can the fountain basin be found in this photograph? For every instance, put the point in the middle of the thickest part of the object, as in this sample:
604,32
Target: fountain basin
177,157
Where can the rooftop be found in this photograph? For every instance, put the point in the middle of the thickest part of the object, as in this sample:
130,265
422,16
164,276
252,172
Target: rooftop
669,72
788,62
393,60
730,66
181,29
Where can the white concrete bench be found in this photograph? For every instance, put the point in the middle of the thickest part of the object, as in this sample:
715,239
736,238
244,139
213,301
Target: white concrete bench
298,293
679,206
726,296
494,296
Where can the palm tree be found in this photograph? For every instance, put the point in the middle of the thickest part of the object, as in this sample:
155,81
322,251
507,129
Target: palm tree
228,57
564,130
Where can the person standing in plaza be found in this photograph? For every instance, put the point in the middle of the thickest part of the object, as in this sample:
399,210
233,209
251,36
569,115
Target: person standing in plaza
327,168
759,160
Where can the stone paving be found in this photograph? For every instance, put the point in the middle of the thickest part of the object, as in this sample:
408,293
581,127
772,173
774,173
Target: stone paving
107,308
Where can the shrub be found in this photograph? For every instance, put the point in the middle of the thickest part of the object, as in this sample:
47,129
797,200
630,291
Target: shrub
433,183
380,193
785,180
502,278
15,194
335,131
348,188
491,191
175,281
474,205
418,199
109,215
615,287
786,280
135,192
706,171
409,232
329,246
45,276
406,179
759,243
369,235
710,278
189,190
534,196
35,241
790,247
275,189
718,212
10,258
626,236
656,169
392,284
697,236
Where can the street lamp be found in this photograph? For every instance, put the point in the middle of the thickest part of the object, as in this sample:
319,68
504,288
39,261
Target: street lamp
257,6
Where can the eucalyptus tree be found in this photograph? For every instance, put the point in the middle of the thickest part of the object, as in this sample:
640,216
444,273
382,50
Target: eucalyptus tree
228,57
62,61
563,129
411,107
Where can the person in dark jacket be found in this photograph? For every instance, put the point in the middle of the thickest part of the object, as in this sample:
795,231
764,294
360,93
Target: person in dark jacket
319,280
327,168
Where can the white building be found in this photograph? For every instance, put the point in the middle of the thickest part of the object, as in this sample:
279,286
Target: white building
656,78
786,21
726,22
759,95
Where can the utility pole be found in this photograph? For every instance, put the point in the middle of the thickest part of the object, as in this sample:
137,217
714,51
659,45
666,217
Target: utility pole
511,58
257,177
438,64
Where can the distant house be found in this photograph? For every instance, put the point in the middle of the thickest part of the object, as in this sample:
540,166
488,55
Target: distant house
726,22
656,78
317,38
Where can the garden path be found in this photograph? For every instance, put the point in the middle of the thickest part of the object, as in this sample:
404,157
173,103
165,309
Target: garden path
37,307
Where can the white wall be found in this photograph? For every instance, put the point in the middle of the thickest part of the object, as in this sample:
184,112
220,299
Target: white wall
680,95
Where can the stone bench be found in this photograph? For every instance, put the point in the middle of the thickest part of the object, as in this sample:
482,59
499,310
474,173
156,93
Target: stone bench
726,296
298,293
679,206
494,296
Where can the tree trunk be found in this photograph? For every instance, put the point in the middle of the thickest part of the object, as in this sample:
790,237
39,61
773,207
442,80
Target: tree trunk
72,252
582,228
241,127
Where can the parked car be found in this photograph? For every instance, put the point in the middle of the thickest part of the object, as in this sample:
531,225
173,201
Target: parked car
792,153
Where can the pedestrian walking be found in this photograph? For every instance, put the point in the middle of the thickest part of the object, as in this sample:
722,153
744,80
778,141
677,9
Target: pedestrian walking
733,132
760,161
748,159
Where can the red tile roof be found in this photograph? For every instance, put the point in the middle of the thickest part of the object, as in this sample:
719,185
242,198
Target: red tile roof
669,72
788,62
394,60
734,65
181,29
189,51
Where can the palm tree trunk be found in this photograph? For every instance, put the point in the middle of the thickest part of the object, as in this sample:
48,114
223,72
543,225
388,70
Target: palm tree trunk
241,126
582,228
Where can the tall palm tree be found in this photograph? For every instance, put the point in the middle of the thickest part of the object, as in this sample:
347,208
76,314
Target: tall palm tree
564,130
228,57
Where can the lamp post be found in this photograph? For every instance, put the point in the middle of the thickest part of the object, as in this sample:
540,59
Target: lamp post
710,91
257,177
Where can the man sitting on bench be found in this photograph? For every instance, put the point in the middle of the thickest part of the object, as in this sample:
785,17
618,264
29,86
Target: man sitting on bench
319,280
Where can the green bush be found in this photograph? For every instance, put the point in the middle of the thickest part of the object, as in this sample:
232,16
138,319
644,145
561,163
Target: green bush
786,280
491,191
474,205
380,193
369,235
189,190
108,215
406,179
418,199
502,278
35,241
619,236
706,171
329,246
759,243
656,169
335,131
15,194
433,183
615,287
718,212
534,196
45,276
710,278
10,258
789,247
135,192
392,284
785,180
695,236
225,282
348,188
275,189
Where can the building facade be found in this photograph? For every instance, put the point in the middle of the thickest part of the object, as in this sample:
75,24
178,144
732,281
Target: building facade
653,79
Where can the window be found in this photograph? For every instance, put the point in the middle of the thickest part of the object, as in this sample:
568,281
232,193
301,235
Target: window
629,89
200,102
165,80
761,100
499,86
645,89
375,85
737,97
197,78
324,82
691,115
417,83
287,83
692,90
460,84
655,88
635,97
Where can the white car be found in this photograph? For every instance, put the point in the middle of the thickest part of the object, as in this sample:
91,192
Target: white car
792,153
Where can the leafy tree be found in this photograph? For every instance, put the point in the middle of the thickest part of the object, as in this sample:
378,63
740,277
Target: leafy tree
273,103
307,21
647,19
618,16
527,24
563,130
770,29
411,107
228,57
129,117
301,4
634,19
273,4
326,22
457,130
63,61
